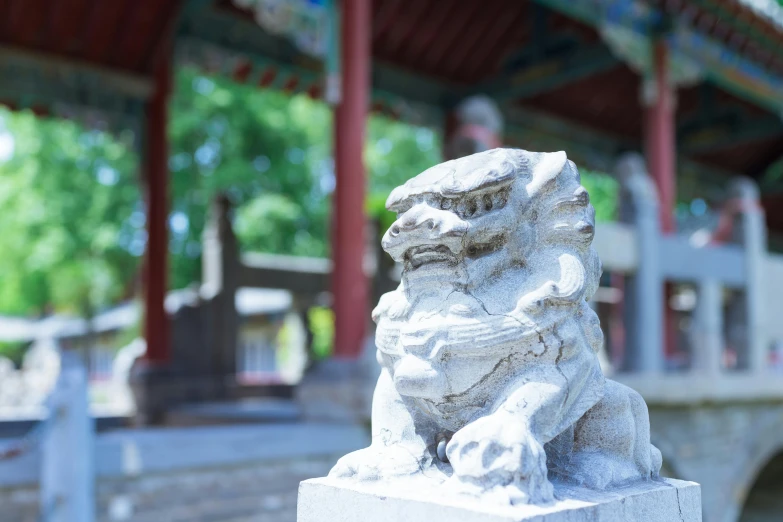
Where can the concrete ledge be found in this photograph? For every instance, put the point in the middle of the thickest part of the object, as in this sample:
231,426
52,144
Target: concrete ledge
692,388
325,500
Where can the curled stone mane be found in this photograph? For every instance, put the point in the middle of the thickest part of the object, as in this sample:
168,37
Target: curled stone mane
563,266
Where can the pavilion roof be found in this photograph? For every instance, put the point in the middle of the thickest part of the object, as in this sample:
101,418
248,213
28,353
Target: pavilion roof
542,60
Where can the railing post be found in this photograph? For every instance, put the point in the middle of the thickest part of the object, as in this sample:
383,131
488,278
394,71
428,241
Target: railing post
708,328
220,276
644,289
752,233
67,475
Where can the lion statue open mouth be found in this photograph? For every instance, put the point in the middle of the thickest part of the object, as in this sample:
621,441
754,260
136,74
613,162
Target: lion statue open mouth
488,347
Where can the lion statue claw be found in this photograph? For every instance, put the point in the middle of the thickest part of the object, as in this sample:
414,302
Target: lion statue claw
490,382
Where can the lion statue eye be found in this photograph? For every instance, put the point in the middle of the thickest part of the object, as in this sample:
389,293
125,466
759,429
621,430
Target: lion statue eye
445,204
487,200
471,207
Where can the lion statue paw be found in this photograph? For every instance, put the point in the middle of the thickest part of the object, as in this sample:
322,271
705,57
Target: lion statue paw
378,462
506,458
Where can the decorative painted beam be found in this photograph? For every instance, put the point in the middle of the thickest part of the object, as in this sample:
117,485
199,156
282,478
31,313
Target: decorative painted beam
96,96
414,87
213,31
109,79
550,73
518,118
723,136
731,70
740,24
531,129
243,37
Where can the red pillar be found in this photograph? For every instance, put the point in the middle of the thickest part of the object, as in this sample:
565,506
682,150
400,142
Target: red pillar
156,327
660,142
660,135
350,287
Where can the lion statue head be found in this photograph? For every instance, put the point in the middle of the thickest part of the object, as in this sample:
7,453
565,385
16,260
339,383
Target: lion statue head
497,270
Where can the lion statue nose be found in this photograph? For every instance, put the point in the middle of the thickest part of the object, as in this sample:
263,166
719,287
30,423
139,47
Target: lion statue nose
423,225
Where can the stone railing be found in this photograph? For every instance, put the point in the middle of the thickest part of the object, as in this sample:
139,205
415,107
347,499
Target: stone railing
634,248
204,473
735,282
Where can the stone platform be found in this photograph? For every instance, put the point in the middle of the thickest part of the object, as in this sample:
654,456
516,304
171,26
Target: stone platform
328,500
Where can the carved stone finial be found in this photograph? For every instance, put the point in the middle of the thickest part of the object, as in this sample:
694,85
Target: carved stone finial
743,188
491,386
632,174
478,127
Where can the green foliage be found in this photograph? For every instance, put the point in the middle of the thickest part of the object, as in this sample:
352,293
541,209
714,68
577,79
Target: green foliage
73,219
603,190
13,351
322,325
68,198
265,150
395,153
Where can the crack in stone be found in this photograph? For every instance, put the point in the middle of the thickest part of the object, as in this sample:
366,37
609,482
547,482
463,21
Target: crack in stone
679,507
481,381
557,365
484,307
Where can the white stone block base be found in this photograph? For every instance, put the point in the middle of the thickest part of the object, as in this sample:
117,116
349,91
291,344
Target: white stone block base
326,500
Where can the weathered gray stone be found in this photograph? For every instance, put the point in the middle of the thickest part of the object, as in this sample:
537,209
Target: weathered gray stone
665,500
488,346
207,474
490,385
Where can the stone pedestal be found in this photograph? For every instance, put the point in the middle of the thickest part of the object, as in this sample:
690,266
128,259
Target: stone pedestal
158,389
329,500
340,390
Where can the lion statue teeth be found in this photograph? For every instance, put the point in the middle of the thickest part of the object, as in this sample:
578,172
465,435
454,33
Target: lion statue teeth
490,381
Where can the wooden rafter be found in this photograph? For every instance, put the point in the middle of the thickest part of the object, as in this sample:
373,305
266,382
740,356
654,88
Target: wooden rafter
403,30
163,43
435,25
125,31
468,41
433,57
496,39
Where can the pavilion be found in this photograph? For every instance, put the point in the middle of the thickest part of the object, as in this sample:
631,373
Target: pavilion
697,84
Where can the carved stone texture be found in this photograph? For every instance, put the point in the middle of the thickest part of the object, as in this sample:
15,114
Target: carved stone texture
491,386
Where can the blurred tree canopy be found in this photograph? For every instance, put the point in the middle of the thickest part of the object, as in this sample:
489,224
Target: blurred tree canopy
72,217
271,153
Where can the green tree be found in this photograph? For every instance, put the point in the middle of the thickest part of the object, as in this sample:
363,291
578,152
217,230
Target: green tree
271,153
68,198
73,219
267,151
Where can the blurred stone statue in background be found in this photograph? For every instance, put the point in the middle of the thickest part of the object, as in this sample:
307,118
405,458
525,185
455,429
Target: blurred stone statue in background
476,126
490,380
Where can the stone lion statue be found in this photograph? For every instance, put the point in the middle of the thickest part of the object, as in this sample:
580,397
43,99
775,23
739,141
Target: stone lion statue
490,380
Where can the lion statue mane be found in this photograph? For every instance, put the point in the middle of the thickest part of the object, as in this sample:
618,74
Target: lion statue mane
490,381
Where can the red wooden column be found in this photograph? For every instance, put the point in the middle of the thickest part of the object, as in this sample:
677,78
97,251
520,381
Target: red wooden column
660,145
156,327
660,135
350,286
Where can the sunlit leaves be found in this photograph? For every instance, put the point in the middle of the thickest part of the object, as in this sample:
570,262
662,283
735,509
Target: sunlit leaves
65,196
